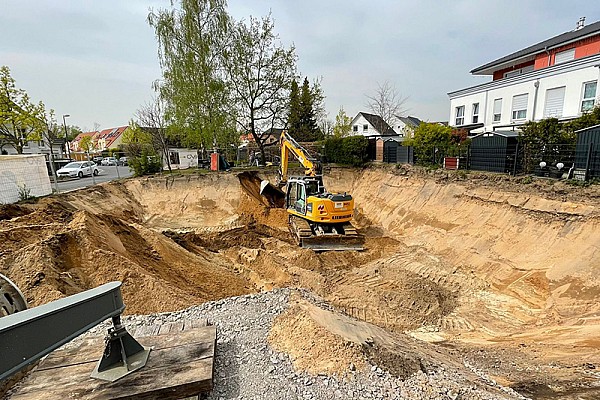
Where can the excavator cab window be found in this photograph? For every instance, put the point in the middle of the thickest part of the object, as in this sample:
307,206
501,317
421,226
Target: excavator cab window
300,205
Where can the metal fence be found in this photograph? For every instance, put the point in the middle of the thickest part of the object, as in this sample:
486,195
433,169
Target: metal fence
551,160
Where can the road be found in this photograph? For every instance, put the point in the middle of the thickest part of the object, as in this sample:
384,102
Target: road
107,173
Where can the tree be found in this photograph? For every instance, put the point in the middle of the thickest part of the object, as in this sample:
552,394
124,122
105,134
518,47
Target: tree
87,144
20,119
388,103
342,125
51,131
309,132
259,73
152,115
429,140
191,44
294,118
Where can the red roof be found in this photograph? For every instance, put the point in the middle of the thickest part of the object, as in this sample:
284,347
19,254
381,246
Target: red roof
110,135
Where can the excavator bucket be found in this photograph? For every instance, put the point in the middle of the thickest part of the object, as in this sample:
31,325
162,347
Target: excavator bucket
333,243
274,195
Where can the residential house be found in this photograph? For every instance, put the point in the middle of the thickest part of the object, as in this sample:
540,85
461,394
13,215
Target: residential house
407,125
75,144
110,138
370,126
557,77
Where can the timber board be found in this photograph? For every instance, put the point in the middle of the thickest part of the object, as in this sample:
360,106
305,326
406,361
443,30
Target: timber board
180,365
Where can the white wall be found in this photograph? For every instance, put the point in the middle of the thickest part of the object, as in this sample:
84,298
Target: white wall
572,78
20,171
187,158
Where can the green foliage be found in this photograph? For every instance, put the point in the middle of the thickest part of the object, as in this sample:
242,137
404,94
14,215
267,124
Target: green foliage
135,140
20,119
146,163
302,121
351,150
25,193
548,139
430,140
191,45
87,144
259,72
342,125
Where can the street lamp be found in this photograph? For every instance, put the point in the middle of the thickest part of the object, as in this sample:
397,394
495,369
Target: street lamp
66,135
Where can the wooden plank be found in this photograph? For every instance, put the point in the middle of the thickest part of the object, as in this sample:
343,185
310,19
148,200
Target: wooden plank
90,350
180,365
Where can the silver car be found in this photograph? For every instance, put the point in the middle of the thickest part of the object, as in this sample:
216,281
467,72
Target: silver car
78,169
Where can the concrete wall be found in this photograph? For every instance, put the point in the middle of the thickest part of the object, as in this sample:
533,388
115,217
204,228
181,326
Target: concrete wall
24,171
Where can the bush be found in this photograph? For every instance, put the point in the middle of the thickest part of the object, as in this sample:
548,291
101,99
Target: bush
431,141
350,150
145,164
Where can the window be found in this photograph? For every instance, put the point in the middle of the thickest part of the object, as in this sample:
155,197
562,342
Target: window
497,110
589,96
519,107
475,113
519,71
555,99
365,127
564,56
355,128
460,115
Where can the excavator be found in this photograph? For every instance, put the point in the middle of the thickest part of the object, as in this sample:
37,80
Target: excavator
317,219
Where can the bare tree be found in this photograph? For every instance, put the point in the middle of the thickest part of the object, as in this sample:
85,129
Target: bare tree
152,115
387,102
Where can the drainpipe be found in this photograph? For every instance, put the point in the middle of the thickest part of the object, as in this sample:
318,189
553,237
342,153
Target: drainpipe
549,56
536,85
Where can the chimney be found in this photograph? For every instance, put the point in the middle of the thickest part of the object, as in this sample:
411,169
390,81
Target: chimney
580,23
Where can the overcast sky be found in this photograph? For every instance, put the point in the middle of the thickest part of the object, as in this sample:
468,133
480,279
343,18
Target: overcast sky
96,60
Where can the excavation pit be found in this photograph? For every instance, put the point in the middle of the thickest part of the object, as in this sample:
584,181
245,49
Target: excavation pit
476,264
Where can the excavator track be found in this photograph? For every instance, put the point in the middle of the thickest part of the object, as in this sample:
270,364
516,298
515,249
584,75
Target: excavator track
308,239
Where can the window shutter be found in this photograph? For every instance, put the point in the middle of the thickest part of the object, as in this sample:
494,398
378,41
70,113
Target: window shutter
520,102
563,56
497,106
555,99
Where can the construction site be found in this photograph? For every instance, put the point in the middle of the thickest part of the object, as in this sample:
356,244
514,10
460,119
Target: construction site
489,276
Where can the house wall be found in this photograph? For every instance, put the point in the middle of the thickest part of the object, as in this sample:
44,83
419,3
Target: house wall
360,121
34,147
571,75
23,171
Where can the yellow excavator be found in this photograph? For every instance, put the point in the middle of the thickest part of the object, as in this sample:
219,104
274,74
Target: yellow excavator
318,220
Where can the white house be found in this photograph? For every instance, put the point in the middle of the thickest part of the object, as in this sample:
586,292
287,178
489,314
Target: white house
370,126
554,78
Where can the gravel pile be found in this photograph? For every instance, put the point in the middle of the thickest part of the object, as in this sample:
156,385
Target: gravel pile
248,368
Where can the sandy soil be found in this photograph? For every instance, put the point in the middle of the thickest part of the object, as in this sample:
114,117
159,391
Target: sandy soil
484,266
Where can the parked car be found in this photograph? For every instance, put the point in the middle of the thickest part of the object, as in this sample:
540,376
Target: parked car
78,169
97,160
109,161
123,161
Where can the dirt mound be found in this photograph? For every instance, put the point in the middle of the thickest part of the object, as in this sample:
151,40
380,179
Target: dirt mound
312,347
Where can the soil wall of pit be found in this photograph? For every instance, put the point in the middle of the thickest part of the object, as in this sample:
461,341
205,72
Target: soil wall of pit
527,255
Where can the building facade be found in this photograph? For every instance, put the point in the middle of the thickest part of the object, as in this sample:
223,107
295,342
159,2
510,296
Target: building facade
554,78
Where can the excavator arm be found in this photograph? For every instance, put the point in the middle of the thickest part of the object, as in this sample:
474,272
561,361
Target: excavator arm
312,167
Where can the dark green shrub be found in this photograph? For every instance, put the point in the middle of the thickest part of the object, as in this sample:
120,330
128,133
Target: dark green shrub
145,164
351,150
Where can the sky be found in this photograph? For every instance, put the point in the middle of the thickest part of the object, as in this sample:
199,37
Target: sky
96,60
